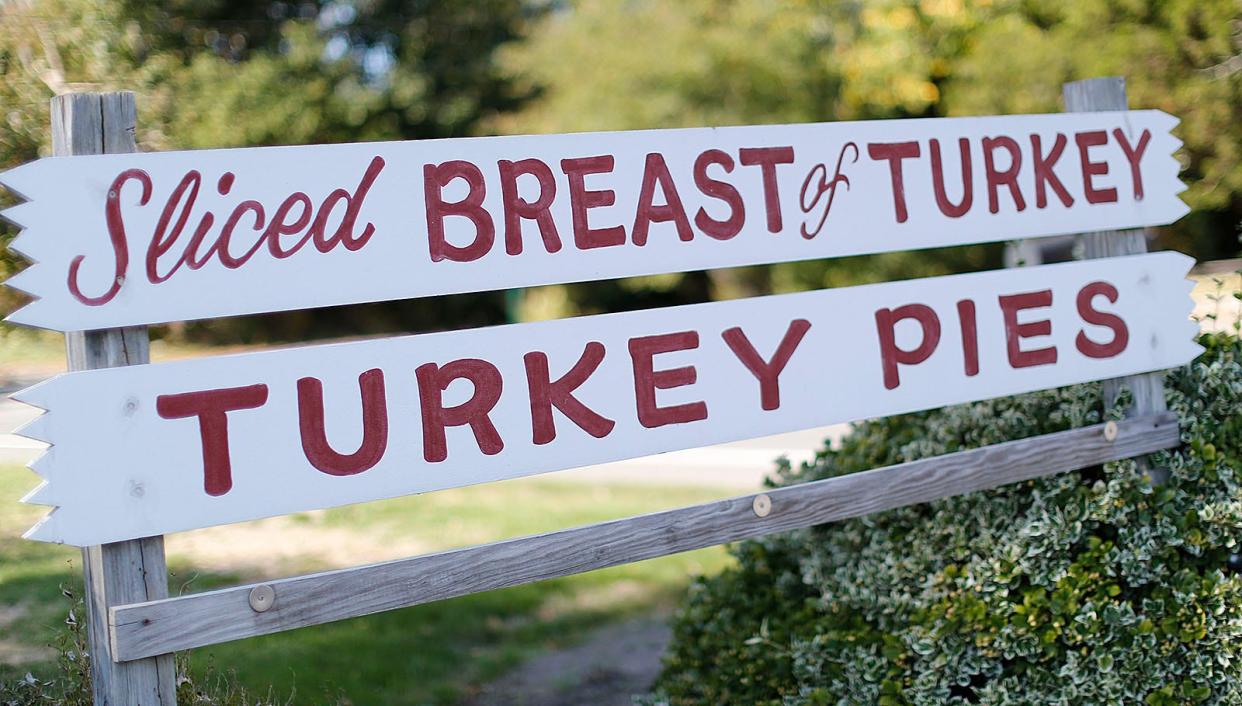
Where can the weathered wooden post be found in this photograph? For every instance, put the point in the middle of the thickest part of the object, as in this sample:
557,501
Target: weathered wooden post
1099,95
121,572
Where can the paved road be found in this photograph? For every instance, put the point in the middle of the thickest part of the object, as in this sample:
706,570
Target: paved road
741,465
16,449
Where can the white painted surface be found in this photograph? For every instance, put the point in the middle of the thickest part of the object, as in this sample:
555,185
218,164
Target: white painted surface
65,218
738,465
118,470
14,448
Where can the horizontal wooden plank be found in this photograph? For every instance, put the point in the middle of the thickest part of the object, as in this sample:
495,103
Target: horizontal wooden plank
151,450
123,240
157,627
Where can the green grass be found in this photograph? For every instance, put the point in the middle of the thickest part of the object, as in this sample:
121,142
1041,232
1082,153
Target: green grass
20,346
432,654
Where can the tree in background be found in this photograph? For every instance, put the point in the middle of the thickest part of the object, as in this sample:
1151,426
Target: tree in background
223,73
1180,56
215,73
645,64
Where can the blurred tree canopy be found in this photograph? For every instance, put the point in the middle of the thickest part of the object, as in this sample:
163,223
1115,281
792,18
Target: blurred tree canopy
213,73
1180,56
647,63
222,73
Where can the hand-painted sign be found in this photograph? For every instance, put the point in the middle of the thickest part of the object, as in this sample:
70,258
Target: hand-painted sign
133,239
152,449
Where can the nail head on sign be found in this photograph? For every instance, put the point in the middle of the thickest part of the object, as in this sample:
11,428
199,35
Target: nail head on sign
1110,431
262,598
762,505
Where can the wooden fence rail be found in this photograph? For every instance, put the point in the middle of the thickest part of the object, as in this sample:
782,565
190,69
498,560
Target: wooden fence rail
162,626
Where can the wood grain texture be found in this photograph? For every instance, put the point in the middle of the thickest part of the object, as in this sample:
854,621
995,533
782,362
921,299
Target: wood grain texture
1147,390
161,626
94,123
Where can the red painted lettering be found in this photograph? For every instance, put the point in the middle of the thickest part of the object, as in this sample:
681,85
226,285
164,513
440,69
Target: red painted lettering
1044,174
517,208
433,380
767,372
279,226
211,407
353,205
435,178
970,336
1008,177
1090,170
582,199
890,354
1088,312
1014,332
655,172
817,183
947,207
374,426
163,239
647,380
221,247
190,256
767,158
546,393
726,229
1134,155
895,152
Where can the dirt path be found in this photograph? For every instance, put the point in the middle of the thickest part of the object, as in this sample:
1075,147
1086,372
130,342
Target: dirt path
605,670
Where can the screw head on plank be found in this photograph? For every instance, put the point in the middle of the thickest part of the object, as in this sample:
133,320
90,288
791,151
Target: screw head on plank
762,505
262,598
1110,431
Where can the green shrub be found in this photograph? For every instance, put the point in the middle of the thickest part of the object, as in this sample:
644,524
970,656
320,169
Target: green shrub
1092,587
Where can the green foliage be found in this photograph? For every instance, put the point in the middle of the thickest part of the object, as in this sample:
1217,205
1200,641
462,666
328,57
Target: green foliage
1092,587
1180,56
606,65
218,73
70,684
432,654
225,73
707,62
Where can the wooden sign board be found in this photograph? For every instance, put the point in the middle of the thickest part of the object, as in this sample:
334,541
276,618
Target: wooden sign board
131,239
153,449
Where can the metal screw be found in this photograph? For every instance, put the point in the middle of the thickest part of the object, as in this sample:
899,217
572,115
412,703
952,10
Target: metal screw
762,505
262,598
1110,431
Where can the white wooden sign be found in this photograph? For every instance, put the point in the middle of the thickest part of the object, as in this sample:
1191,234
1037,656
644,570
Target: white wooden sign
129,239
152,449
